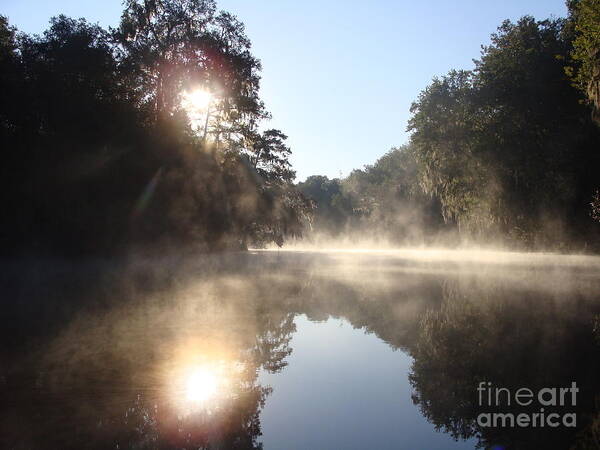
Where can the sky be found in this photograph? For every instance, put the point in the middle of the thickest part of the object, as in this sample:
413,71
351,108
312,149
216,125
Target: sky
339,76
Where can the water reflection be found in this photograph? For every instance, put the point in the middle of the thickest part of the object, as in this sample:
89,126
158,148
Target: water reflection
511,338
168,355
350,393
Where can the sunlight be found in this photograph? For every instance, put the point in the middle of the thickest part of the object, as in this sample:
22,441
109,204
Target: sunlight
433,254
196,100
201,385
199,373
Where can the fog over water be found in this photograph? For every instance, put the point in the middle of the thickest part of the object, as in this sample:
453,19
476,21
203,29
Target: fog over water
300,348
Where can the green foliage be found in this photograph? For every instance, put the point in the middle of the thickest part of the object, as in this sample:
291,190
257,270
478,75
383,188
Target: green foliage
503,153
332,208
384,199
585,16
508,147
444,120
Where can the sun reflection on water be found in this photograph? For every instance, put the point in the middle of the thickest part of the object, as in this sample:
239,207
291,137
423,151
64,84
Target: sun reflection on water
203,376
205,386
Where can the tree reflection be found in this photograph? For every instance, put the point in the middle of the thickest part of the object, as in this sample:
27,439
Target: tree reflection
98,363
516,326
486,331
111,378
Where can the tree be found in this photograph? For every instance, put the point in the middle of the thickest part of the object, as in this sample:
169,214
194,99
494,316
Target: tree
508,147
444,122
585,71
101,155
177,45
383,200
268,154
584,16
171,46
333,208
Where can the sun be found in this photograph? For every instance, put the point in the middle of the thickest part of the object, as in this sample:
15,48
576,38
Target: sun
201,384
196,100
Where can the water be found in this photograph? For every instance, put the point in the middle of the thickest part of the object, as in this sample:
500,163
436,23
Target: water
297,350
345,389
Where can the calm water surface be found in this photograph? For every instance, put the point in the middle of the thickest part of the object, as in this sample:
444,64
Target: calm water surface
345,389
297,350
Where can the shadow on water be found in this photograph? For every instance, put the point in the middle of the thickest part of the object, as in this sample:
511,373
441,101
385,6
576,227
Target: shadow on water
148,354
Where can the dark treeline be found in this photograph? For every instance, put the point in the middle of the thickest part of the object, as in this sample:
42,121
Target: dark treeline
100,155
507,152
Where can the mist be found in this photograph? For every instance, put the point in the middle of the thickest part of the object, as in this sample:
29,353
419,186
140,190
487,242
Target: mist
114,344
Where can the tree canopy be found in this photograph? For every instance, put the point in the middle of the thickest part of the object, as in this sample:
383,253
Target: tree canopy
102,154
508,147
504,153
585,71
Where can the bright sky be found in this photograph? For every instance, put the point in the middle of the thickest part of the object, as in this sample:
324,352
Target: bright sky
339,76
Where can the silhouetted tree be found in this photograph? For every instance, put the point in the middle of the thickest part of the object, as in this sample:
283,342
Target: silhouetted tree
101,155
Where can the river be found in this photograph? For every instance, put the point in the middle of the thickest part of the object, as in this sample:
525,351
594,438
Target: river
303,349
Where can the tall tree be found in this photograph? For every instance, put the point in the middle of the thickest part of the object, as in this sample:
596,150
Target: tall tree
508,147
585,16
101,154
171,46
